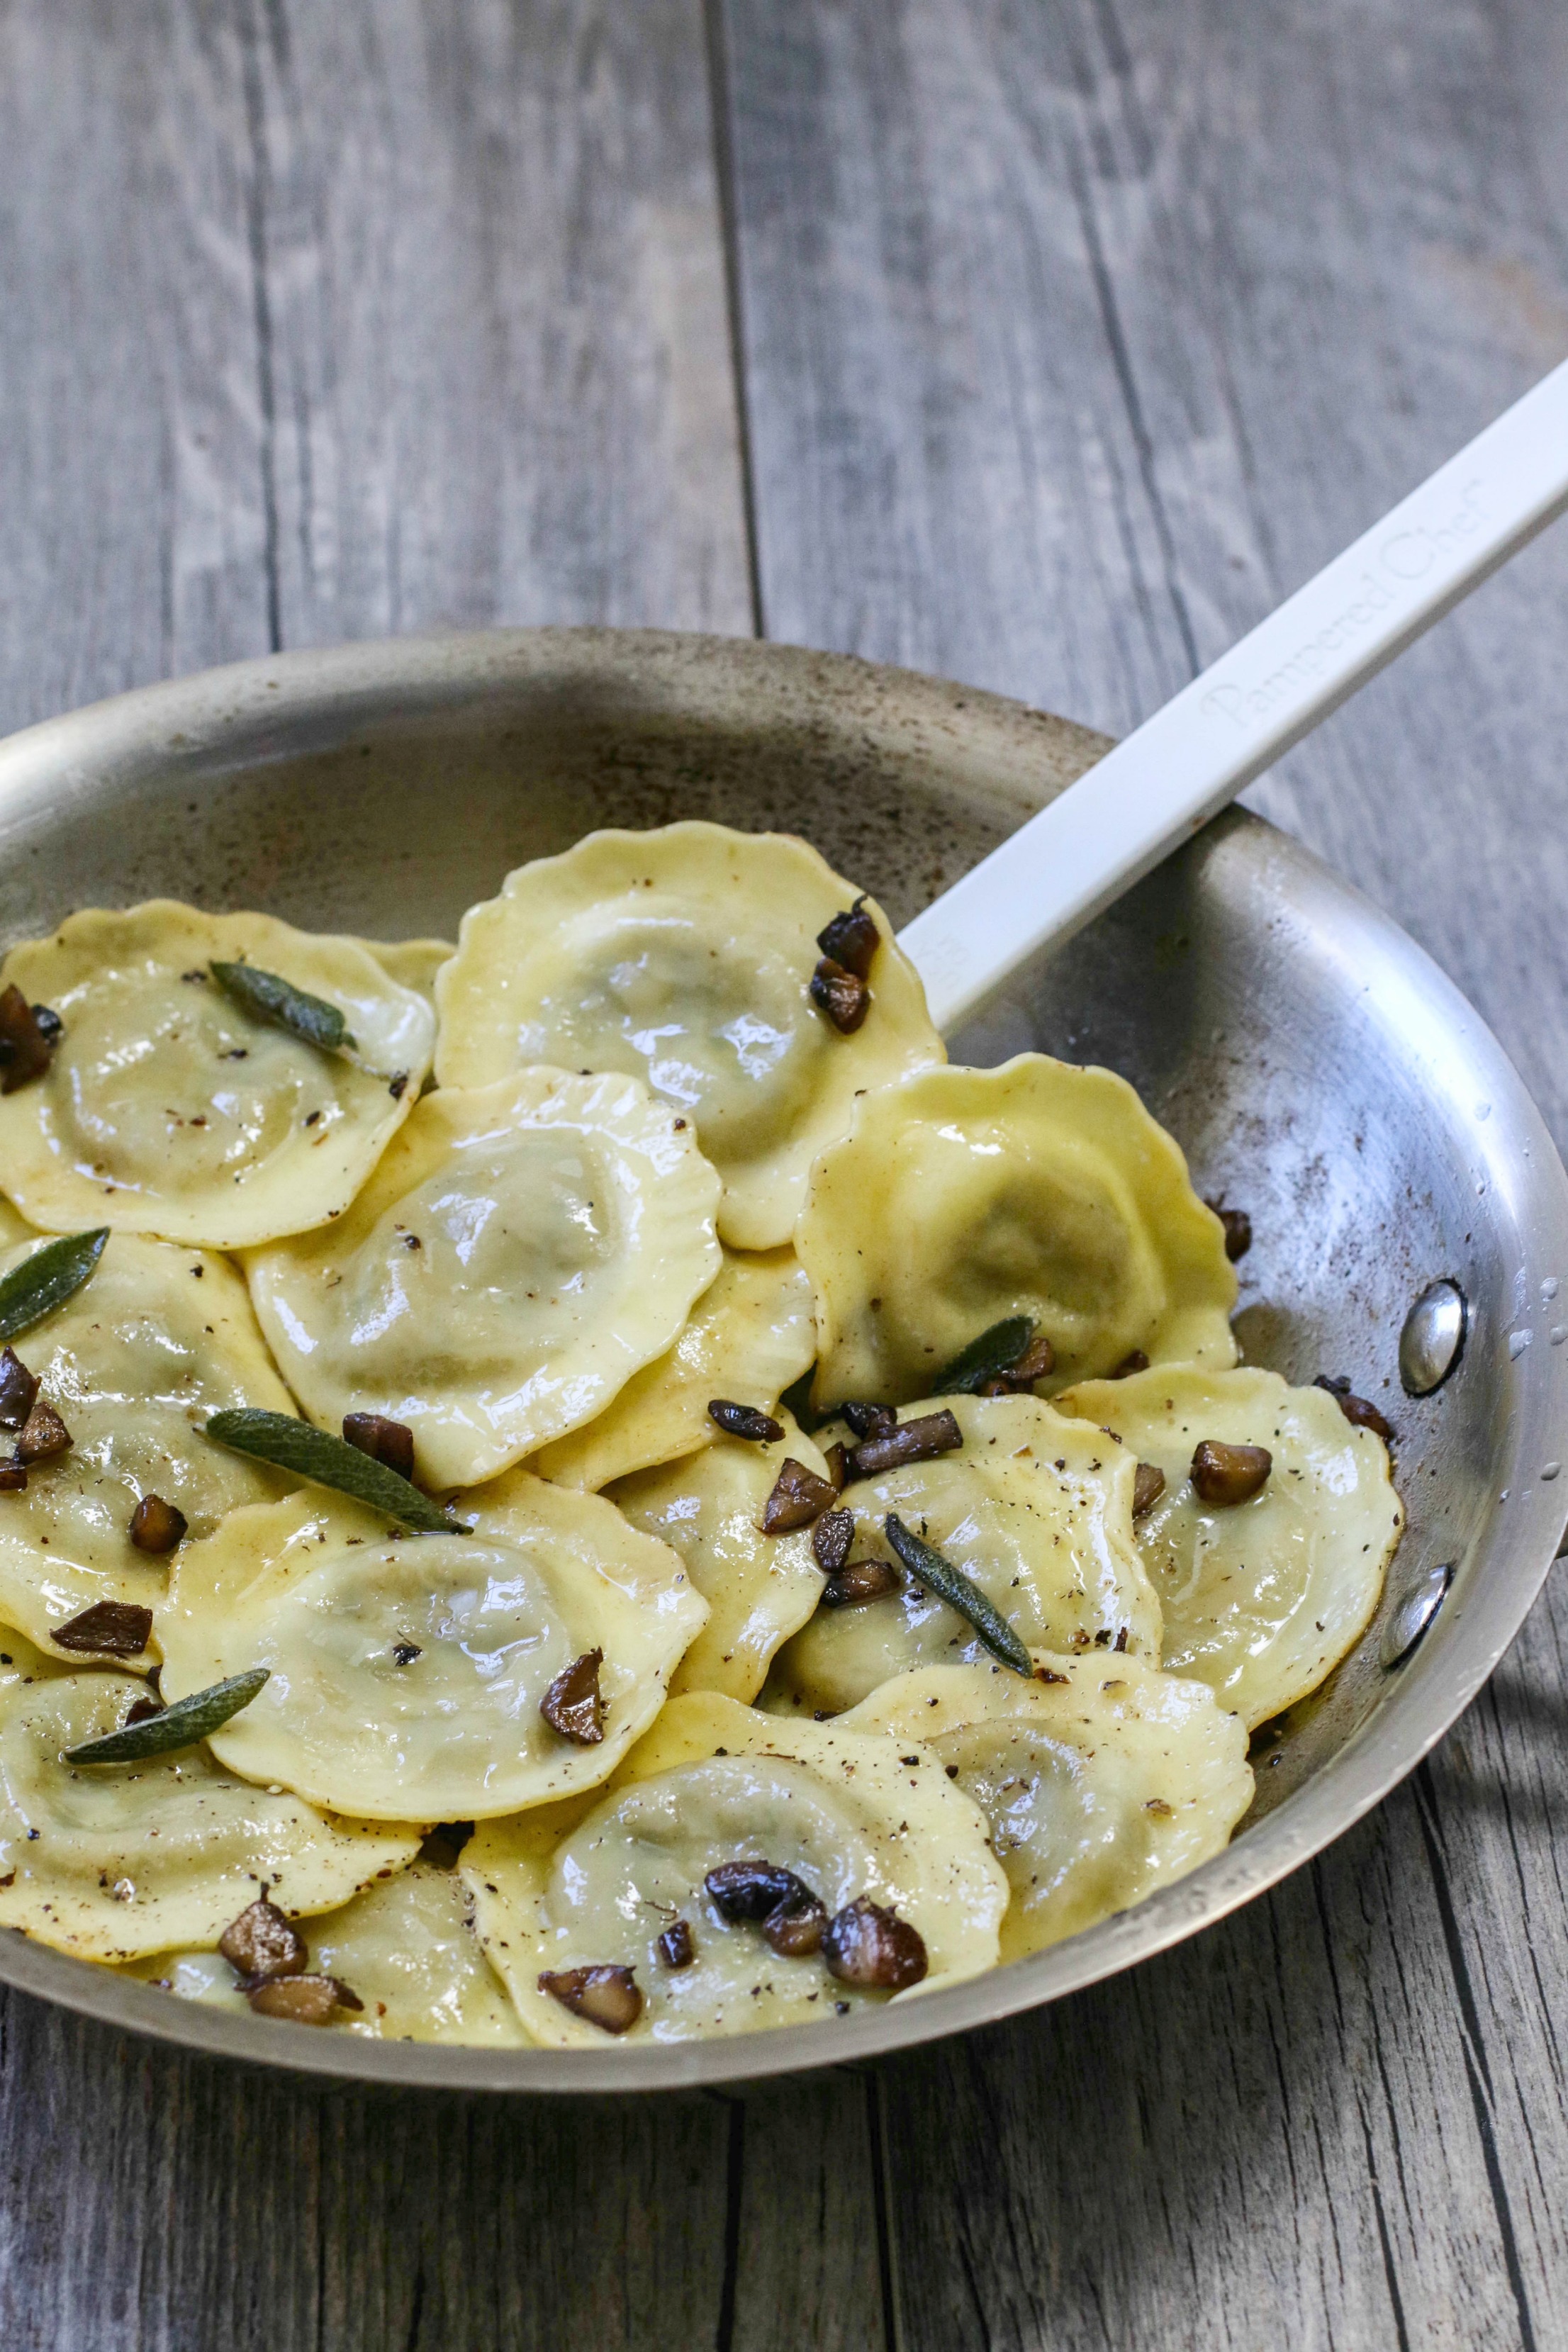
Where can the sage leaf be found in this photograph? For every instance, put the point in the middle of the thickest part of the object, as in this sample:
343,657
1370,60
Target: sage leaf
985,1359
265,997
47,1279
951,1584
328,1461
180,1725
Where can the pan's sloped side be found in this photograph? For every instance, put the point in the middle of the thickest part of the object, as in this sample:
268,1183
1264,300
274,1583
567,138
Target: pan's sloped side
1316,1067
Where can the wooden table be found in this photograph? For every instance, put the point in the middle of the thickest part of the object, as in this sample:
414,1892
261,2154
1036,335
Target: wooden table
1044,342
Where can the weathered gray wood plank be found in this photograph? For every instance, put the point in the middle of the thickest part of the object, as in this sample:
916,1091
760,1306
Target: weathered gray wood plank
1074,336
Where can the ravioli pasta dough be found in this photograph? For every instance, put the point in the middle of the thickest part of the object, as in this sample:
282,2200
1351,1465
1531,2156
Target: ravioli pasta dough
1261,1600
156,1339
1035,1508
169,1110
109,1861
749,1336
412,963
1099,1785
964,1197
759,1587
520,1252
683,957
407,1673
850,1814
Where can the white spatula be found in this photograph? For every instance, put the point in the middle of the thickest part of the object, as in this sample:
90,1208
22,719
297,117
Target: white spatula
1163,782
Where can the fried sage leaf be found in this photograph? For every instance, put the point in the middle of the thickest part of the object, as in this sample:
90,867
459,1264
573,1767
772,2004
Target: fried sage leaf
951,1584
267,997
328,1461
996,1351
179,1726
47,1279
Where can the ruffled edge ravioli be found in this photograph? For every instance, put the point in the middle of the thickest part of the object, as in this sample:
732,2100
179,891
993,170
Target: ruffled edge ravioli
464,1431
630,1595
750,888
935,1866
43,1585
1335,1482
1159,1774
892,1260
313,1861
412,963
310,1178
749,1336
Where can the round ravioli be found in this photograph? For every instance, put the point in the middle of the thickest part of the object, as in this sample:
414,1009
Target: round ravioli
759,1587
751,1334
408,1673
520,1253
684,957
1103,1782
965,1197
407,1948
1034,1508
849,1814
13,1227
108,1860
412,963
169,1109
156,1338
1262,1599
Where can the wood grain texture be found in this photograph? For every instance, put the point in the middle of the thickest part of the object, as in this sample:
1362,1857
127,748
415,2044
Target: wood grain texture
1074,336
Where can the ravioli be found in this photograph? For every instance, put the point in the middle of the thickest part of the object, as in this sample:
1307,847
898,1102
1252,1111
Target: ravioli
169,1110
1261,1600
407,1672
112,1860
964,1197
13,1227
852,1815
1099,1787
749,1336
412,963
759,1587
520,1252
684,956
157,1339
1035,1508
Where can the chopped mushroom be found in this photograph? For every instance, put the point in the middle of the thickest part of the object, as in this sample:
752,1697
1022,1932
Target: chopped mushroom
13,1476
861,1581
865,1944
1224,1475
1148,1485
303,2001
1238,1229
263,1942
911,1441
751,1890
851,939
44,1434
869,1420
110,1629
678,1945
830,1540
1358,1410
18,1387
608,1995
795,1929
842,995
157,1526
573,1704
798,1496
745,1421
28,1035
390,1443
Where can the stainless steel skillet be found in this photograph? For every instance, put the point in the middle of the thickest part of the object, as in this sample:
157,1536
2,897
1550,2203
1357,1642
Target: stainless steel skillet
1316,1065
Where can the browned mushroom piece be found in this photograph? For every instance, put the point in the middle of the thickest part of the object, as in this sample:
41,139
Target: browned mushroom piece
157,1526
12,1478
1358,1410
868,1419
1238,1229
750,1890
865,1944
44,1434
842,995
798,1496
744,1420
837,1459
18,1387
141,1710
573,1704
263,1942
830,1540
390,1443
912,1441
28,1035
677,1946
851,939
795,1929
1148,1485
111,1628
607,1996
1038,1359
303,2001
1135,1360
1224,1475
860,1581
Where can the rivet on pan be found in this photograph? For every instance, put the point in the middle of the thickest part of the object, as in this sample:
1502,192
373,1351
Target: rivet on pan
1414,1612
1432,1338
